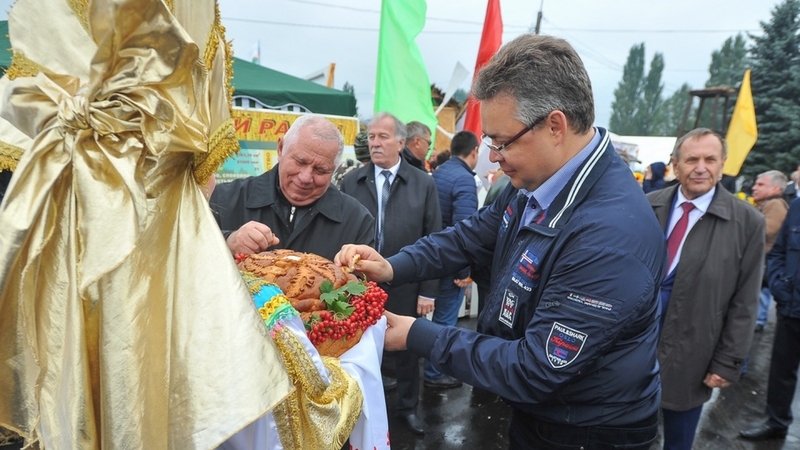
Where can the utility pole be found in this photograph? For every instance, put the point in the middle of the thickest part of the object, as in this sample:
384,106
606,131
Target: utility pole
539,18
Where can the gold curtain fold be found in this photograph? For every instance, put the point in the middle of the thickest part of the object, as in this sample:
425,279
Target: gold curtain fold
124,322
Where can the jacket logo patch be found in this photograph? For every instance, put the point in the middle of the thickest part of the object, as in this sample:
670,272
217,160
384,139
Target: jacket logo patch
588,301
509,308
525,275
506,219
564,345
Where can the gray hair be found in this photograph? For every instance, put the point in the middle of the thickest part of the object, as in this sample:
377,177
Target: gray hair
414,129
319,127
776,177
543,74
399,127
697,133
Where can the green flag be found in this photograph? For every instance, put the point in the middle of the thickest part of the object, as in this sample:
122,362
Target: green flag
402,87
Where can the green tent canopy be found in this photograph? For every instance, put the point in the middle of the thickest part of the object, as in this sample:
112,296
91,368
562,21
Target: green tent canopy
273,89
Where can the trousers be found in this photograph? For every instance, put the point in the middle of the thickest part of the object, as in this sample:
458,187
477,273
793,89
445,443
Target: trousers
528,433
783,371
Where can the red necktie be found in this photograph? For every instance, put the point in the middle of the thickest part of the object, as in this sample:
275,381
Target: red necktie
675,238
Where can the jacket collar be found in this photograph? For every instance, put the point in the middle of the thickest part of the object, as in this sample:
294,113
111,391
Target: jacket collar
264,193
410,158
457,160
403,172
581,183
721,205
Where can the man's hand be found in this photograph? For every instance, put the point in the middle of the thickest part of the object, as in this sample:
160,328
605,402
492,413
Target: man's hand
252,237
365,259
715,381
463,283
424,305
397,331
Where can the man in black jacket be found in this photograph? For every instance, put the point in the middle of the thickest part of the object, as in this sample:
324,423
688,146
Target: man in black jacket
783,267
408,200
293,205
417,144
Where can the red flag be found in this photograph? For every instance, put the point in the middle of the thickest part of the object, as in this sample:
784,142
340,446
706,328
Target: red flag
490,42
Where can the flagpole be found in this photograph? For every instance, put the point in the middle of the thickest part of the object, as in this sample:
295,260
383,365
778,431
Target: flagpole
539,17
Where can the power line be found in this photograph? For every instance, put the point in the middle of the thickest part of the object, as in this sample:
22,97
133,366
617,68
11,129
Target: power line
527,27
652,31
377,11
347,28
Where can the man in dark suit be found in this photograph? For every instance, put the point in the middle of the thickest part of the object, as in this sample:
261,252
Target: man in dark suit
294,205
418,142
405,202
715,246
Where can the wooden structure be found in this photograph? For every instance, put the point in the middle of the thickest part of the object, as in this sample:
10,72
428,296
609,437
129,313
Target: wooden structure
718,97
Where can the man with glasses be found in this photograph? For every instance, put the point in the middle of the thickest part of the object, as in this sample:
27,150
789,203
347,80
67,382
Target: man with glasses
569,333
418,142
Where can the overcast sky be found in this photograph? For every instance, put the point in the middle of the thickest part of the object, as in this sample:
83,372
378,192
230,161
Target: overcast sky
299,37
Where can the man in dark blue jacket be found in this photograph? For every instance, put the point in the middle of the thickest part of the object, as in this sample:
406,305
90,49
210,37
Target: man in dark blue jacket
783,268
458,199
569,333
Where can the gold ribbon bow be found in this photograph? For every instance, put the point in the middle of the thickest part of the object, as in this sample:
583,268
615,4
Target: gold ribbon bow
121,311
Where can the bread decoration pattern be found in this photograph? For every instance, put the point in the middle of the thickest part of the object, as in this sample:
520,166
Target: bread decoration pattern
336,307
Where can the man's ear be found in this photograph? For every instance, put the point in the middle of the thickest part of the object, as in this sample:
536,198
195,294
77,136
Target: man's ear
280,146
557,125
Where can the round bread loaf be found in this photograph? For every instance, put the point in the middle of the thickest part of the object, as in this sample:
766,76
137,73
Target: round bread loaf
299,275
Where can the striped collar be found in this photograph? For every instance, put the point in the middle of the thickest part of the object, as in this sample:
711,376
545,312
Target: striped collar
546,193
599,156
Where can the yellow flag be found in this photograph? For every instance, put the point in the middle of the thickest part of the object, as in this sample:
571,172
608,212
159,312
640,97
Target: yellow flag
742,131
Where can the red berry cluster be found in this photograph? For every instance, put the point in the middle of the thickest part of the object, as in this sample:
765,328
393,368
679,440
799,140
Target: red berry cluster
239,257
368,309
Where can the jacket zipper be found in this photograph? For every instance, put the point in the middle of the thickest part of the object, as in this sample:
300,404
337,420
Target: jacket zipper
580,311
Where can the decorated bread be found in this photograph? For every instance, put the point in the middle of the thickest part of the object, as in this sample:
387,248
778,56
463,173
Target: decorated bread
336,307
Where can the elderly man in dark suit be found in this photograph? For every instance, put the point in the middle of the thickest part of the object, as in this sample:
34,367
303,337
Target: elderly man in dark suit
406,204
294,205
715,247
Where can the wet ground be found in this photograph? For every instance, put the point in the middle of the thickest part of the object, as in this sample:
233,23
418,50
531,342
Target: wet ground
467,418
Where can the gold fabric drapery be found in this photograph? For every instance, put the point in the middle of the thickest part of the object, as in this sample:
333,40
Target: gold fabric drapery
124,321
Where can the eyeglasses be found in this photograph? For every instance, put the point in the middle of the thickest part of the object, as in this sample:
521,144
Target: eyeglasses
487,141
427,142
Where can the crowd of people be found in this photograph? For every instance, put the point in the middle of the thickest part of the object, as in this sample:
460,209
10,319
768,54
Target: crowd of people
608,308
575,311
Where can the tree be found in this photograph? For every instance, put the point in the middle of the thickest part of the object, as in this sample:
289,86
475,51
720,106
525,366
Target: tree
347,87
725,70
623,109
460,95
671,112
775,82
637,98
648,105
728,63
